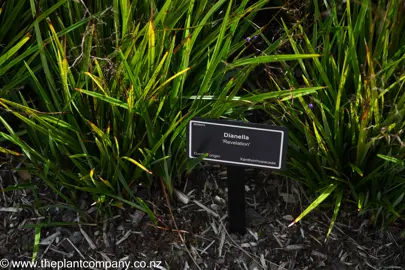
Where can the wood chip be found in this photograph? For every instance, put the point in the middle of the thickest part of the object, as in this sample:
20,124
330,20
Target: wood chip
10,209
88,239
263,261
46,250
247,245
216,207
294,247
223,217
288,198
253,218
288,217
282,266
77,250
105,237
137,218
219,200
124,259
278,240
302,232
181,196
214,228
125,237
318,254
205,249
206,208
68,255
105,256
48,240
67,245
206,230
194,251
221,244
254,234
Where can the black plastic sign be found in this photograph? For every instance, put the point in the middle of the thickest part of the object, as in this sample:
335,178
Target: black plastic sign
238,143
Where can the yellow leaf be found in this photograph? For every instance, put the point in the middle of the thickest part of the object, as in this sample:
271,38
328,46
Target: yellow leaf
10,152
137,164
106,182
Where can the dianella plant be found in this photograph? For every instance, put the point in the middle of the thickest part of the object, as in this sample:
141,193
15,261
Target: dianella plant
347,142
113,84
14,36
17,45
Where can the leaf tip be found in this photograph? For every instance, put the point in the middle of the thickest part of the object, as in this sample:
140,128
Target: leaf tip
292,223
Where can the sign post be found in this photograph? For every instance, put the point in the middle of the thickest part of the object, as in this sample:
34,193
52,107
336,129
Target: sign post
237,145
236,199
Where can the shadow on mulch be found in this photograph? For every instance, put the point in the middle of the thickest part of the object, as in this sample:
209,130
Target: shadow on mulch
200,211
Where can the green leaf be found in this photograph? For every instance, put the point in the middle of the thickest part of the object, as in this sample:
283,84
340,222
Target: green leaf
325,194
284,94
335,212
105,98
271,59
391,159
36,243
7,55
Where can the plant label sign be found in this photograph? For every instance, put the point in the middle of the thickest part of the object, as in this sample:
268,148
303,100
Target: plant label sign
237,143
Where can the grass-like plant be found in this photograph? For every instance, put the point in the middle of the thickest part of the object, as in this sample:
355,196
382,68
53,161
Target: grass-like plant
116,82
347,142
16,42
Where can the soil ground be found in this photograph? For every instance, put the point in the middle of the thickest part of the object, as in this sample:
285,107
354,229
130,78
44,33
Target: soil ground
202,240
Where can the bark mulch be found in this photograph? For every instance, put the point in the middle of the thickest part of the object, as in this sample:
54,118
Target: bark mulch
201,240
